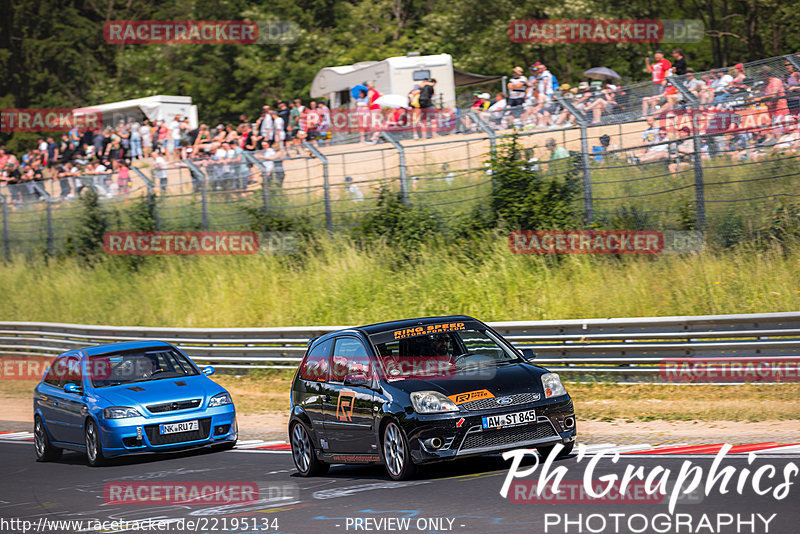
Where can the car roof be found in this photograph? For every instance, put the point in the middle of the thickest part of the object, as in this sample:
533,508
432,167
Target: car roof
97,350
405,323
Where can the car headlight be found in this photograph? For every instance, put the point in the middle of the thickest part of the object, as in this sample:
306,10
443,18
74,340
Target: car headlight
432,402
220,400
552,385
120,412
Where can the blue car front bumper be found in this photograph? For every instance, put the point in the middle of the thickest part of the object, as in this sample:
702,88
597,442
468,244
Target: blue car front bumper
142,434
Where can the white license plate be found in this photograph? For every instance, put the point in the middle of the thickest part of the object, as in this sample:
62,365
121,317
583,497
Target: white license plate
174,428
509,419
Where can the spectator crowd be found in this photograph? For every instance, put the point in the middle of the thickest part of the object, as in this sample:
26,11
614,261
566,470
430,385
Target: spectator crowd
106,158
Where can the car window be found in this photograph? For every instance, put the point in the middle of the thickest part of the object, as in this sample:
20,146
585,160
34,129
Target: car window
53,376
140,365
350,357
315,366
70,372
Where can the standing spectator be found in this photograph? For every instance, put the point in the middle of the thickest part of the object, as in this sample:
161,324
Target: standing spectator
175,137
265,127
353,191
773,94
362,114
659,71
426,94
136,141
791,83
294,117
279,127
163,138
160,165
284,113
123,178
52,152
517,88
679,66
146,133
556,152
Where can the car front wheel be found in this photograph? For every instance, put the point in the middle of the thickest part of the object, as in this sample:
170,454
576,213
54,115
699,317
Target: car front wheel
45,452
305,459
396,453
94,448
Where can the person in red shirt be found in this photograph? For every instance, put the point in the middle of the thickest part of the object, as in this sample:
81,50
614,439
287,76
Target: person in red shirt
659,70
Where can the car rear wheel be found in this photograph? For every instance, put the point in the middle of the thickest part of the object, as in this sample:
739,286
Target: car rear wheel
94,449
545,451
45,452
305,459
396,453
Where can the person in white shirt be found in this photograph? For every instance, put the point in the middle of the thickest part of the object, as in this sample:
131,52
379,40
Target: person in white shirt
353,191
175,136
160,165
497,109
279,127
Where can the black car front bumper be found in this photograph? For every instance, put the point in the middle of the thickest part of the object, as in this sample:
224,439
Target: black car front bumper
461,434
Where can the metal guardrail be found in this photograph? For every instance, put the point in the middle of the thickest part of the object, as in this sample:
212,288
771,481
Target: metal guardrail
632,346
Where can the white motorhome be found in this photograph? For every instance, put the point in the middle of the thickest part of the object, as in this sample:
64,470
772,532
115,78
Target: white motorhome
394,75
158,107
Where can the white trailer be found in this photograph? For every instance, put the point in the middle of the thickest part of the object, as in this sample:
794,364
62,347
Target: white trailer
394,75
158,107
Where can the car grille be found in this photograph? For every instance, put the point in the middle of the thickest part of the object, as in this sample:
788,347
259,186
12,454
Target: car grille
486,404
172,406
507,436
156,438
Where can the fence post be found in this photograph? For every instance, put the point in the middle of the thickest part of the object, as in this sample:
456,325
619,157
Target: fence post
264,178
402,155
326,190
699,185
588,203
203,178
147,181
6,239
49,213
486,129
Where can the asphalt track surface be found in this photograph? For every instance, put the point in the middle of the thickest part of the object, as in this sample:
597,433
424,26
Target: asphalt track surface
462,496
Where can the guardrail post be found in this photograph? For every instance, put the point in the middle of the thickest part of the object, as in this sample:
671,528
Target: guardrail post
699,184
325,185
403,170
583,122
6,239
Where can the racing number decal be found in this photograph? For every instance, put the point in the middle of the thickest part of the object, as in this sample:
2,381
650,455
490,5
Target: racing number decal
344,408
470,396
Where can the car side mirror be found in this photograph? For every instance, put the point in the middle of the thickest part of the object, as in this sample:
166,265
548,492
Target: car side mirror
528,354
359,380
208,370
72,388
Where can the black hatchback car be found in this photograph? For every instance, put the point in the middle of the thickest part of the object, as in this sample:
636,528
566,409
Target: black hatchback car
411,392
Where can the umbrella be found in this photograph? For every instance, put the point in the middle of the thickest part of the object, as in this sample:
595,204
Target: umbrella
602,73
357,89
392,101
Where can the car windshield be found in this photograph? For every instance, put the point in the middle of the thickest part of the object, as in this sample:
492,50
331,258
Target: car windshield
138,366
437,350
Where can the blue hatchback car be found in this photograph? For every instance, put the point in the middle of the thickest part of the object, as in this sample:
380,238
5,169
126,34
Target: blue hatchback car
124,398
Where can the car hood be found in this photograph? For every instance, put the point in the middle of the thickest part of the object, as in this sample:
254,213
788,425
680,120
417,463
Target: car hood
501,380
158,391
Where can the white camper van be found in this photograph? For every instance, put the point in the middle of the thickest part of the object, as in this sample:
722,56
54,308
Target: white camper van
394,75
